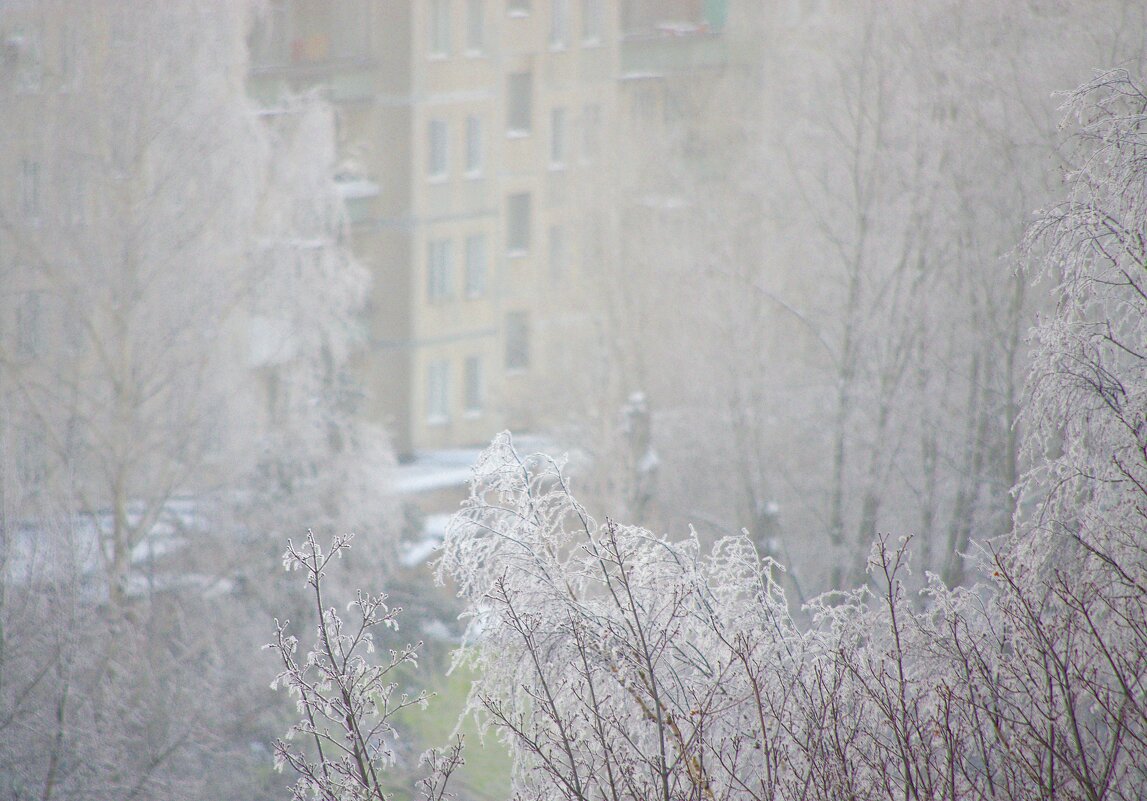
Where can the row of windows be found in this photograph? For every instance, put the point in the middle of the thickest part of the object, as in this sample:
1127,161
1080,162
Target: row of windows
440,255
440,42
439,392
518,123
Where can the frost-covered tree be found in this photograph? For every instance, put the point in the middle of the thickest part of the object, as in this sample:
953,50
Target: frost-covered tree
177,310
822,294
179,300
124,259
348,696
618,664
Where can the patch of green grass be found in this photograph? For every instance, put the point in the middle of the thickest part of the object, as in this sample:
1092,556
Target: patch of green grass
486,774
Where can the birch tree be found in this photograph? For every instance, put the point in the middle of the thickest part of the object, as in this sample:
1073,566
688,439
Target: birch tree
833,307
177,310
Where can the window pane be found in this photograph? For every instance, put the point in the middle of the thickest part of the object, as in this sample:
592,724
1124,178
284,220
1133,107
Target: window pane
475,265
591,20
559,22
473,144
519,88
473,384
440,27
28,332
438,148
439,280
517,341
24,49
558,136
518,223
475,25
438,391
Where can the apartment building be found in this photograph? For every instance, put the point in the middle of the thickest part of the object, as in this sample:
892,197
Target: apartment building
469,130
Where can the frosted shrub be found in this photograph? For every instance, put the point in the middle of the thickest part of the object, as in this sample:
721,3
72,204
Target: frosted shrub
617,664
346,696
605,654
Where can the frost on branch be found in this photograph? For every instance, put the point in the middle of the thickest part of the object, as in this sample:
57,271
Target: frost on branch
346,697
618,664
1088,397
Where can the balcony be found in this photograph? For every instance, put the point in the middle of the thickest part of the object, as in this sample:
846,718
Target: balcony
672,50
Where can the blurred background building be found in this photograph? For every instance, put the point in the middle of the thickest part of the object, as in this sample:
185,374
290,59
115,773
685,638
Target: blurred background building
476,141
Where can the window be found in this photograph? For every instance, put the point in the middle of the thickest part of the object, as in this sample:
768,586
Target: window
439,280
559,257
438,149
557,137
518,8
32,468
473,145
439,44
438,392
559,23
30,189
473,387
29,66
519,88
517,341
591,132
475,26
69,50
475,266
591,20
28,333
518,223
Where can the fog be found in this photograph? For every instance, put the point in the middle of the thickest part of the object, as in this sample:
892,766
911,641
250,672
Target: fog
268,267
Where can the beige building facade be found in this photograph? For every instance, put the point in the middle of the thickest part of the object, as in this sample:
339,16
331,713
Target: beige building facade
467,129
